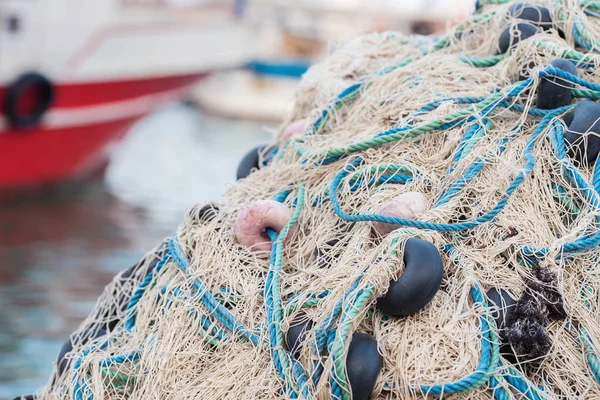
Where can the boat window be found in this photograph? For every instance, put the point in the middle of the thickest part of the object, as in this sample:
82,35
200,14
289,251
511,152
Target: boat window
167,3
13,23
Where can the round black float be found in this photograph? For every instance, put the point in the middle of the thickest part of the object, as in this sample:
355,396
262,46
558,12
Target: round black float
363,364
297,332
554,92
525,70
504,304
62,363
539,16
323,253
583,128
504,307
208,212
419,282
111,315
251,161
513,34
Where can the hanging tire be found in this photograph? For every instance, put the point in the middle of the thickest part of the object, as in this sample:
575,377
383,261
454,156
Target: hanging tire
16,92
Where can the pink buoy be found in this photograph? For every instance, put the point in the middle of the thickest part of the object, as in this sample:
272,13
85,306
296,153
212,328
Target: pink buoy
293,129
407,205
254,219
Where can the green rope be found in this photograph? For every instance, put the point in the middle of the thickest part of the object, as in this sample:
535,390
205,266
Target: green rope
584,93
475,138
117,380
292,307
419,130
565,200
343,334
589,4
565,52
482,62
382,168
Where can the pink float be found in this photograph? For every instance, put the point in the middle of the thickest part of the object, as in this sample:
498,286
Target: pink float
254,219
407,205
294,129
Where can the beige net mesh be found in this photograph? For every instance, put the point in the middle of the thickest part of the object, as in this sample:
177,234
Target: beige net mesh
178,349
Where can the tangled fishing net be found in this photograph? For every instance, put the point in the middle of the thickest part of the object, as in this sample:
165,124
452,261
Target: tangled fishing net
510,207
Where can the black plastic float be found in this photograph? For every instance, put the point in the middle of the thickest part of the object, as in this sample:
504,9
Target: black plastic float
419,282
525,70
61,362
513,34
504,307
363,362
323,253
251,161
297,332
554,92
111,316
539,16
208,212
363,365
583,130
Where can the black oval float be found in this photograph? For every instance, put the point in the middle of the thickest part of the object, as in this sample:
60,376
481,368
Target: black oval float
62,363
525,70
323,253
297,332
513,34
111,315
505,306
583,128
251,160
516,8
363,365
554,92
419,282
208,212
539,16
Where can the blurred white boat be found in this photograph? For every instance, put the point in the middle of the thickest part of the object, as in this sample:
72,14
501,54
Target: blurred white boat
308,29
243,94
75,74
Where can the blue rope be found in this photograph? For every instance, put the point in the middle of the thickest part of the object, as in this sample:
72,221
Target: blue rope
223,315
284,361
442,227
488,362
139,292
329,334
471,173
205,324
469,133
499,392
574,176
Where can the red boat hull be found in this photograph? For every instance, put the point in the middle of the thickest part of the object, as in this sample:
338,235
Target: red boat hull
49,155
85,120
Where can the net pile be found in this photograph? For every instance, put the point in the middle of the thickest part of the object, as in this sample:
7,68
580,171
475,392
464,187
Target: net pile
203,317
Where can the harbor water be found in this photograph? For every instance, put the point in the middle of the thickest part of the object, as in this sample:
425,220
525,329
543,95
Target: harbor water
59,249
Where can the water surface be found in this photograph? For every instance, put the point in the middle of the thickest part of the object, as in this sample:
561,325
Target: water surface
58,250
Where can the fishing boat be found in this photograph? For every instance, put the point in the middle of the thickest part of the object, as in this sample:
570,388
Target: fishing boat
76,74
296,34
259,92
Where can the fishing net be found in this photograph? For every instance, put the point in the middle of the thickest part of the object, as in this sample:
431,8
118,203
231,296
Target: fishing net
508,208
